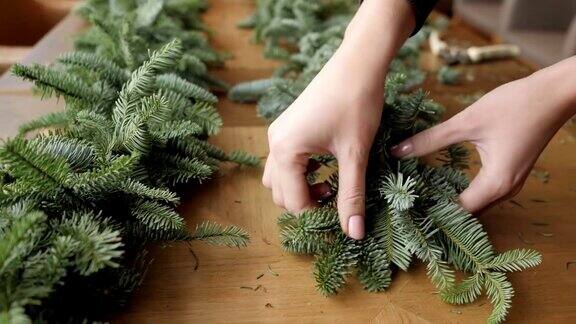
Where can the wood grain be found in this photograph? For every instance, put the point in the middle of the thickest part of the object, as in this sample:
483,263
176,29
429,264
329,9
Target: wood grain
226,288
217,291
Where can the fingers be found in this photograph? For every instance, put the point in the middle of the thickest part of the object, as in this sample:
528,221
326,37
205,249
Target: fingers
431,140
266,177
351,195
486,188
269,182
287,180
292,175
286,176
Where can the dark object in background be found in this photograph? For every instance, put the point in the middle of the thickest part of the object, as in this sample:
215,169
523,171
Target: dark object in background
24,22
445,7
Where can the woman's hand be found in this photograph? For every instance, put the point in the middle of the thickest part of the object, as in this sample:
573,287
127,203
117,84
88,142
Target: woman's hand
339,113
509,127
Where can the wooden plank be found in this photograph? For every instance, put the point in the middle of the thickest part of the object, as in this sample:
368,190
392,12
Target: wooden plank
56,42
16,109
174,292
11,54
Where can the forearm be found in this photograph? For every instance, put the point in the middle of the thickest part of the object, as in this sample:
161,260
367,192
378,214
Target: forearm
374,36
379,28
556,84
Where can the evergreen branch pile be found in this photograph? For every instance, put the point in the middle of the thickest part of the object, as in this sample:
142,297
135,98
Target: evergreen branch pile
448,75
150,25
307,50
85,190
412,209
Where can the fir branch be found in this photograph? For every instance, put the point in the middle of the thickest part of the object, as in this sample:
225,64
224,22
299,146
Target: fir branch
58,119
251,91
78,153
139,189
418,241
515,260
465,292
98,245
107,69
308,232
500,293
243,158
52,81
175,83
470,241
157,216
334,263
386,232
142,81
24,161
103,181
206,115
399,193
215,234
374,266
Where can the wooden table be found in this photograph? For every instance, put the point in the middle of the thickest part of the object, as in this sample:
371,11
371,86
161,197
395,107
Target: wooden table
218,291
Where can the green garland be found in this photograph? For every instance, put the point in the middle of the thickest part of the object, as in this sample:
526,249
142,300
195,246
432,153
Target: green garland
85,190
411,206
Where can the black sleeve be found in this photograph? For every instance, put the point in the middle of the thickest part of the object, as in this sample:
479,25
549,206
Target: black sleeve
421,8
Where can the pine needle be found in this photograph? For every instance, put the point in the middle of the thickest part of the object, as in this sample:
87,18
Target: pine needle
525,241
272,272
547,234
540,224
541,175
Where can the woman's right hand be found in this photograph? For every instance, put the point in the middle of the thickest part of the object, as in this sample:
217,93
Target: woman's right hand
339,113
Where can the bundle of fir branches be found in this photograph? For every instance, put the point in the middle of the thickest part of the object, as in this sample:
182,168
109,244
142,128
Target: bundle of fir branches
152,23
412,209
308,50
84,191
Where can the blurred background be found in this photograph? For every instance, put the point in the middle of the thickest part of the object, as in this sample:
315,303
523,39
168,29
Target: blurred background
544,30
25,22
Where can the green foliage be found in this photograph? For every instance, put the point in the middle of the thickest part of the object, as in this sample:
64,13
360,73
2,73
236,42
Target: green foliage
88,187
124,31
411,206
448,75
306,34
215,234
36,254
251,91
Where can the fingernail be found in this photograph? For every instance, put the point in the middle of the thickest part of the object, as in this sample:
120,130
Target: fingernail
403,150
356,227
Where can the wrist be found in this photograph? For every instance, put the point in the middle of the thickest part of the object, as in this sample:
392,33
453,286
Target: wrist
556,84
378,30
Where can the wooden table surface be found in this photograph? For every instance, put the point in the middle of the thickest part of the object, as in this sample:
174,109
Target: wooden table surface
217,292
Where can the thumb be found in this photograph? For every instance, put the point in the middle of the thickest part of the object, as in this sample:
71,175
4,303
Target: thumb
483,191
430,140
351,196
